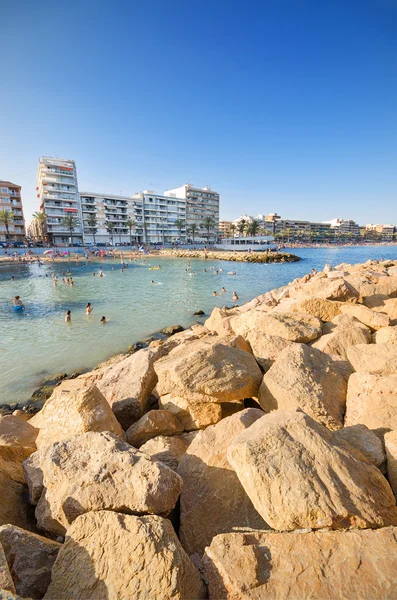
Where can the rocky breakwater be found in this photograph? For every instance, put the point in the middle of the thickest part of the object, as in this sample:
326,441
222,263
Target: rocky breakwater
255,257
252,457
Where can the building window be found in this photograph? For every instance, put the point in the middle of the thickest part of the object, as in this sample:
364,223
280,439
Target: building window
4,190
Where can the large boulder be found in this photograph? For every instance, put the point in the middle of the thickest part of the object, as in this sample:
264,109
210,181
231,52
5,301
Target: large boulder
372,401
192,414
14,507
74,407
387,335
117,556
6,582
30,558
265,347
169,449
373,358
340,338
210,371
128,385
303,377
292,326
213,500
370,318
320,308
366,441
17,442
98,471
391,453
298,475
153,423
387,288
219,321
327,289
318,565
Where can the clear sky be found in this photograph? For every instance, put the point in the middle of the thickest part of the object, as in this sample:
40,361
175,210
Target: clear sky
280,105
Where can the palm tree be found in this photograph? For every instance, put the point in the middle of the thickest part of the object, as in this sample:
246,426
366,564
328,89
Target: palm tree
70,222
130,224
92,225
232,229
41,219
253,228
6,217
180,223
110,229
241,226
192,229
208,224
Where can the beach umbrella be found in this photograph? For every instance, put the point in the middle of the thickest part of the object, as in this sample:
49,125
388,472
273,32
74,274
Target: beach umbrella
48,252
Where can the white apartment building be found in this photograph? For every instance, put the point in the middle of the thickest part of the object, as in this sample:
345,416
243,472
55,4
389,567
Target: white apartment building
158,217
10,200
200,203
109,209
59,197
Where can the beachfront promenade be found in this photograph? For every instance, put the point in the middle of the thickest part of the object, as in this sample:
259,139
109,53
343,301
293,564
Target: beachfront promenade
272,425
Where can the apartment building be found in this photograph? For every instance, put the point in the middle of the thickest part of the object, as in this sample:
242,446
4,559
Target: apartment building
112,213
344,226
11,200
385,231
58,192
200,204
224,229
159,217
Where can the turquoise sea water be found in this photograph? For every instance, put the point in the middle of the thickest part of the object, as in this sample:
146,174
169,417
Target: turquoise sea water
38,343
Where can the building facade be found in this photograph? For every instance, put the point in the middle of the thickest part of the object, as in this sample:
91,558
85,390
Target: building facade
112,214
11,200
200,204
386,232
224,229
58,192
158,216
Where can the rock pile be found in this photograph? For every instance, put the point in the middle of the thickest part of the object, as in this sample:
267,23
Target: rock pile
253,457
255,257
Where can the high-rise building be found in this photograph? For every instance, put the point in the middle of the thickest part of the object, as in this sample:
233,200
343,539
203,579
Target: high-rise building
111,213
11,200
159,217
200,204
58,192
224,229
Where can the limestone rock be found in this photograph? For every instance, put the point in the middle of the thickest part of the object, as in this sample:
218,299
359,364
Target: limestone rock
34,476
387,288
318,565
373,358
117,556
169,449
128,385
372,401
293,326
17,442
192,414
343,366
219,321
208,370
30,558
6,582
391,453
374,320
153,423
298,475
337,342
327,289
213,500
387,335
366,441
74,407
320,308
303,377
265,347
14,508
98,471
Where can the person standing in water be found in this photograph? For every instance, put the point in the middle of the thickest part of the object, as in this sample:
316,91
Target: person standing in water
235,297
88,308
68,316
103,320
18,304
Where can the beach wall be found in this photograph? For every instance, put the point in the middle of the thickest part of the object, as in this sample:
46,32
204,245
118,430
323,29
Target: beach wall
254,456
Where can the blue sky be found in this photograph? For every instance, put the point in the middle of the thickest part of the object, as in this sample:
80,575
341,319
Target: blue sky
280,105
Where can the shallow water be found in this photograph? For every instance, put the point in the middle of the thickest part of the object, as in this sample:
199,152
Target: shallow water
38,342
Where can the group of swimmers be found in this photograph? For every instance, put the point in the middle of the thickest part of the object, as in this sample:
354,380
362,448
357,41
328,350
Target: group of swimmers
223,291
88,311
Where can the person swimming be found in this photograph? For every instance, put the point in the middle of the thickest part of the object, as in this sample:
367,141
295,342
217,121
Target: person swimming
100,273
18,304
232,273
153,281
235,297
215,294
68,316
88,308
223,290
94,274
12,277
103,320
